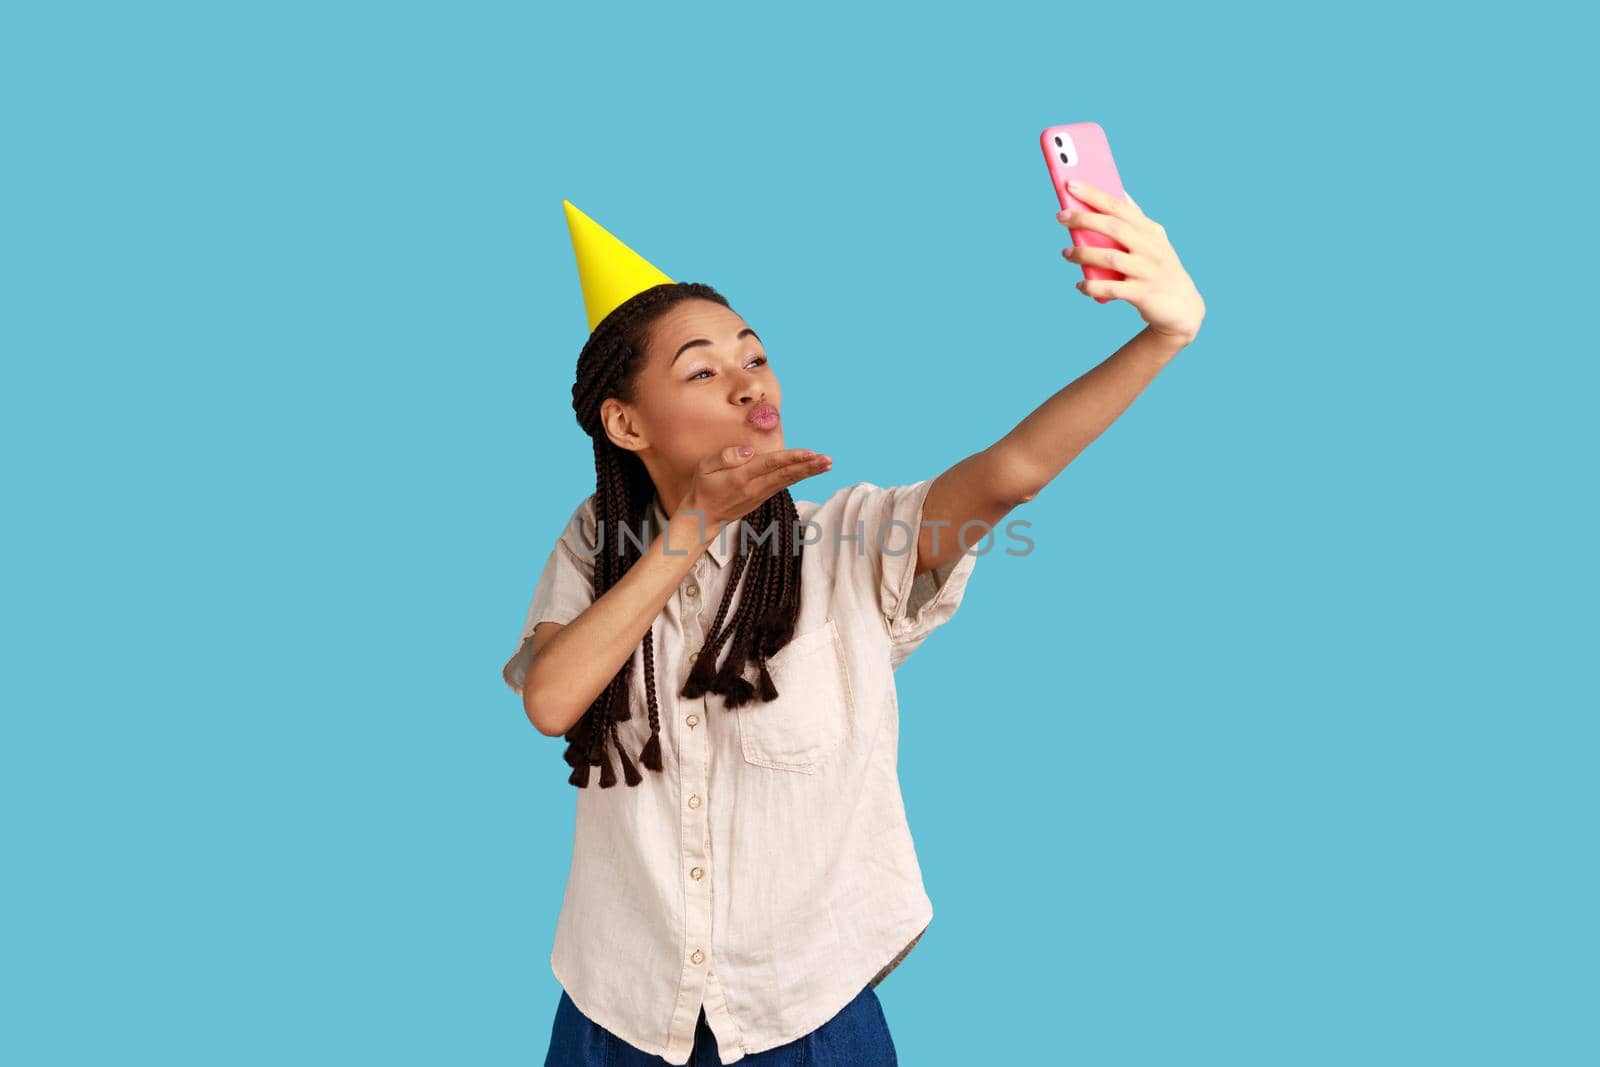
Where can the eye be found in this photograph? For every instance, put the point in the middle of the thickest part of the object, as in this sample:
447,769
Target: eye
756,362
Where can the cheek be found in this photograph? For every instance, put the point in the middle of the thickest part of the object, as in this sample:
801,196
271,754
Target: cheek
691,427
694,412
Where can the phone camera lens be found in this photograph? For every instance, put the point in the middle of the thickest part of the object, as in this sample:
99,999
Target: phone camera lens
1058,142
1064,157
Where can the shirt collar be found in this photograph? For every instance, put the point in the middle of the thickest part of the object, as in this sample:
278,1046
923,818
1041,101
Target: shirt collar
721,546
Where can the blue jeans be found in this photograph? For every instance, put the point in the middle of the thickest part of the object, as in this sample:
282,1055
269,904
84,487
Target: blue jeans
858,1036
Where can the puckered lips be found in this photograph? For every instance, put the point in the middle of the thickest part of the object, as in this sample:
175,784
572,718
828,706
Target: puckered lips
763,417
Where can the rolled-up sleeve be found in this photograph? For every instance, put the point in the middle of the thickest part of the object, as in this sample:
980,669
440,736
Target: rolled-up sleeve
912,605
565,588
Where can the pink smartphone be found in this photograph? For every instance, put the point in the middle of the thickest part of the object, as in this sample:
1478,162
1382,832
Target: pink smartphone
1080,150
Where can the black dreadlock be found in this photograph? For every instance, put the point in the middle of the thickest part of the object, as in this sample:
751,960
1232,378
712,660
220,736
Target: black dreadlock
609,366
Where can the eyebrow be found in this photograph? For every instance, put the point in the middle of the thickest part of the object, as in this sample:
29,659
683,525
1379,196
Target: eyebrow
703,341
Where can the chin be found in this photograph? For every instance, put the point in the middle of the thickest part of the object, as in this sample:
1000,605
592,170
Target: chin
761,440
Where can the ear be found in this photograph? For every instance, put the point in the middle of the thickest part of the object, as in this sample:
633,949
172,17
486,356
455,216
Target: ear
620,425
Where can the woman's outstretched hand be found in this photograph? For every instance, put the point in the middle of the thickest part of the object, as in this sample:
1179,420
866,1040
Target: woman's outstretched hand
1153,281
728,485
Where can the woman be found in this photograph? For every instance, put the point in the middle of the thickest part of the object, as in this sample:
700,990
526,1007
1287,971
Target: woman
744,900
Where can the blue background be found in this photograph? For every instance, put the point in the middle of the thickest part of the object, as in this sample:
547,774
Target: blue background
1295,692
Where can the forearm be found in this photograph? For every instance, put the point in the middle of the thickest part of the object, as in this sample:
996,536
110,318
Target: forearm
577,664
1025,460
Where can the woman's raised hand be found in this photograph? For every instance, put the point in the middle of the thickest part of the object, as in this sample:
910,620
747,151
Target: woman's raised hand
729,485
1153,280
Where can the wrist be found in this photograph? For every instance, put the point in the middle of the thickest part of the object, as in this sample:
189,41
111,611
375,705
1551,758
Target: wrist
1164,345
689,530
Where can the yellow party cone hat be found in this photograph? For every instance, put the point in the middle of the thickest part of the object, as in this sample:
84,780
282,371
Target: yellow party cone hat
609,271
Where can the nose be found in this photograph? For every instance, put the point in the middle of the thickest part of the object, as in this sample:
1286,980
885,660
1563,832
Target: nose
750,391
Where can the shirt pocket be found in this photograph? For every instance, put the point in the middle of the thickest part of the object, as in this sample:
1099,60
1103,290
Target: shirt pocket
815,708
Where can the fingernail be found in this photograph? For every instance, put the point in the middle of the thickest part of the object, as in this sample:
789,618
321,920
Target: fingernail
745,450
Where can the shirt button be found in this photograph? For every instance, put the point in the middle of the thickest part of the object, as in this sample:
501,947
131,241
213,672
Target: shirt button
694,800
696,873
693,721
697,957
692,590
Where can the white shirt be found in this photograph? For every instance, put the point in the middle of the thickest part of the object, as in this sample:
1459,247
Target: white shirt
768,872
